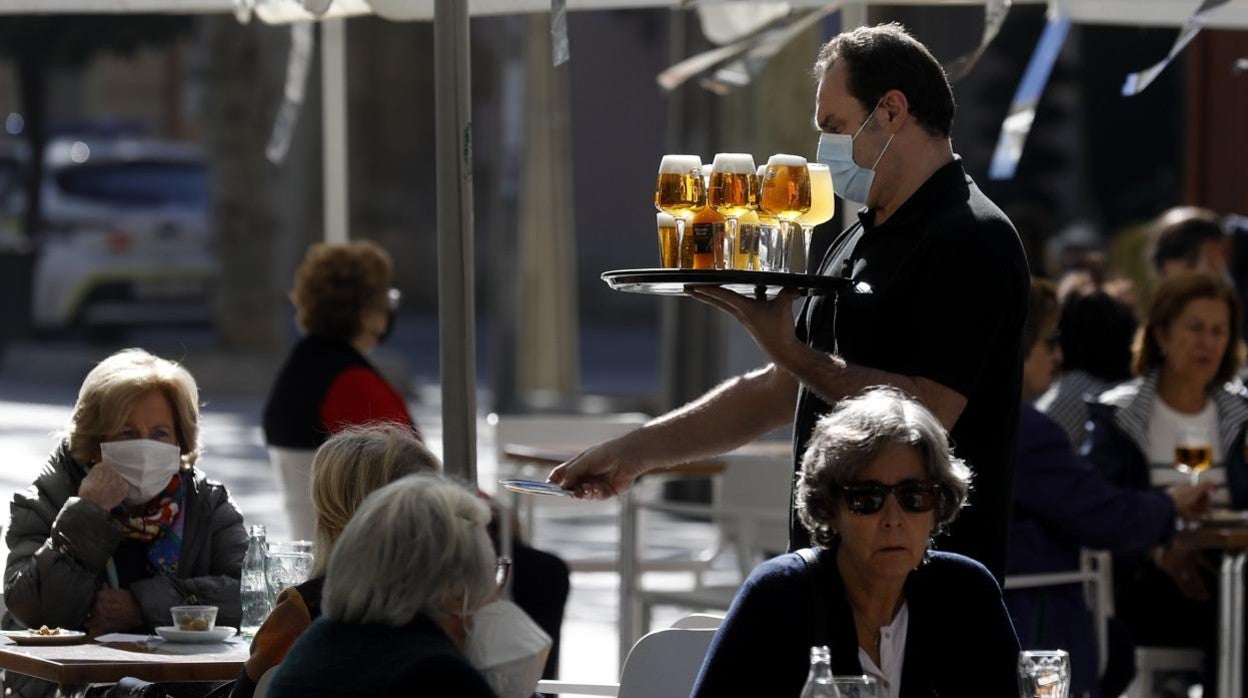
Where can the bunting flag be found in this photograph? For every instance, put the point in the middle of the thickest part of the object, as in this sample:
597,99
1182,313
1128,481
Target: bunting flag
995,12
1138,82
1017,124
298,63
559,32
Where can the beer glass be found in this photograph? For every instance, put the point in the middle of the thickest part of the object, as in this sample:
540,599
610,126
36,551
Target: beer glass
786,195
680,192
669,241
731,194
822,207
1043,674
769,248
1193,452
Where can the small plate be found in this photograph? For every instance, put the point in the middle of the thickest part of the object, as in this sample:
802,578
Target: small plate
217,634
29,637
549,489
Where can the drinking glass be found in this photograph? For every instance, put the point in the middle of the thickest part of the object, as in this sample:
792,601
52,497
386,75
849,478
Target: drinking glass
289,564
822,208
679,192
785,194
1193,452
1043,674
731,193
669,241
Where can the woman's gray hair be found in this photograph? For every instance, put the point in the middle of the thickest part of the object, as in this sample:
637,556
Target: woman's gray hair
412,546
854,434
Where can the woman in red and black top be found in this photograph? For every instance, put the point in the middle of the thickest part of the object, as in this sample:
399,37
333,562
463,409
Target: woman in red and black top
342,299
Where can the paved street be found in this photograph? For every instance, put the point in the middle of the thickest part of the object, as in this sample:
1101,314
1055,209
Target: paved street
38,388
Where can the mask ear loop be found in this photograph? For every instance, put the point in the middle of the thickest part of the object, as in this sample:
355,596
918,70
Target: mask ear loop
864,125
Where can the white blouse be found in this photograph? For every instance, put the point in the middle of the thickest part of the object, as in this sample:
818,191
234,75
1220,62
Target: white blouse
892,655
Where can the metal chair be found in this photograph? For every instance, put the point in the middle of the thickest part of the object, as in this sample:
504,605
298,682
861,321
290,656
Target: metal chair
1096,574
662,664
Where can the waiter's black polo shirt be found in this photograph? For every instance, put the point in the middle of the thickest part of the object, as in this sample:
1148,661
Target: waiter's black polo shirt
948,294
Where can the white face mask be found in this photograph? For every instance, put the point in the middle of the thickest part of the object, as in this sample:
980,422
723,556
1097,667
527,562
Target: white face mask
850,180
508,648
145,465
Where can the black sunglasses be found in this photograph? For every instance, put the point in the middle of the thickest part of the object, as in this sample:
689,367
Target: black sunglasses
914,496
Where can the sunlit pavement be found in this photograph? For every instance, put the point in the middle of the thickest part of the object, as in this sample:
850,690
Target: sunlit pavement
37,393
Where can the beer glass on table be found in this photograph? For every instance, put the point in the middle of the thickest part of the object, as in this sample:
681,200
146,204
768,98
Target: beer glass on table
822,208
732,194
680,192
786,195
1193,452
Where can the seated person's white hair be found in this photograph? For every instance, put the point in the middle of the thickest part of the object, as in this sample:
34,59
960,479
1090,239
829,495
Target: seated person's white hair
412,546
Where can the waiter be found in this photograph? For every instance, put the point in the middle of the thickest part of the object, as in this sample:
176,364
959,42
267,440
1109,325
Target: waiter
942,283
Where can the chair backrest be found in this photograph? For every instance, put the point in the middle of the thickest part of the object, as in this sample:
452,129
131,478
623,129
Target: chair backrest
758,488
665,663
262,686
699,621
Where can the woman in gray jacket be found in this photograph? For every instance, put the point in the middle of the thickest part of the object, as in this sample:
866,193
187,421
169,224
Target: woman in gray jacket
120,525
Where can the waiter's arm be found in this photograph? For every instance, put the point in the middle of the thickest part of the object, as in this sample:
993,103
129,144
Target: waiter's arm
770,323
735,413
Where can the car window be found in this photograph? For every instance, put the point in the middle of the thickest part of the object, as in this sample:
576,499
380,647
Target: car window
138,184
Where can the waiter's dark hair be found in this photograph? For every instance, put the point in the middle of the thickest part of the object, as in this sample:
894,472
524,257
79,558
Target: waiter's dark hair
886,57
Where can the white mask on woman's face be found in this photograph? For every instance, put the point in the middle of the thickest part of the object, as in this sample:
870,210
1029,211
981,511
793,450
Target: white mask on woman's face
146,465
508,648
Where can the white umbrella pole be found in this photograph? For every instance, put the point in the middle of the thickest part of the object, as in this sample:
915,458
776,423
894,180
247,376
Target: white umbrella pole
456,301
334,128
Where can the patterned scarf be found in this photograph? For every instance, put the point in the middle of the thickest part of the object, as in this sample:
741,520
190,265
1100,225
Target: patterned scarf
159,524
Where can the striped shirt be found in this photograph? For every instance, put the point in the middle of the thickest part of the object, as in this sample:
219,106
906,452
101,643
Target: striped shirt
1065,403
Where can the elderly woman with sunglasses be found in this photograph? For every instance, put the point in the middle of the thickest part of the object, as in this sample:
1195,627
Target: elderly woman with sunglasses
878,482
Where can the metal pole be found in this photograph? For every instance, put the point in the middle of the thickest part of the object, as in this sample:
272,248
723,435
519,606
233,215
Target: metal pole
334,128
456,302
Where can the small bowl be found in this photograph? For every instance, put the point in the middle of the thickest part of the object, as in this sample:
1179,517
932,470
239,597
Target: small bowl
194,618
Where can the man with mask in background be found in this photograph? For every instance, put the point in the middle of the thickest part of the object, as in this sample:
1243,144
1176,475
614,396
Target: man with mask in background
941,292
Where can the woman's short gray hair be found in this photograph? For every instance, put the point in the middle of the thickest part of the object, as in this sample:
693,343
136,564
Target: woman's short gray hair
860,428
410,548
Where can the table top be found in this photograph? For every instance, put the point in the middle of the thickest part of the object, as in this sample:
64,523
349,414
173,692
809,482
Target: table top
153,660
1215,537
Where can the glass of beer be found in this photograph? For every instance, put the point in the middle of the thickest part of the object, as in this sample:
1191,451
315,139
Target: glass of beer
732,195
669,241
767,255
680,192
822,207
1193,452
785,194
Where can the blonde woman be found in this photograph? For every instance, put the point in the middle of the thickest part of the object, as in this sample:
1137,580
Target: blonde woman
121,524
402,586
346,469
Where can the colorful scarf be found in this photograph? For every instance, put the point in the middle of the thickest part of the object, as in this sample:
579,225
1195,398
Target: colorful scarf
158,523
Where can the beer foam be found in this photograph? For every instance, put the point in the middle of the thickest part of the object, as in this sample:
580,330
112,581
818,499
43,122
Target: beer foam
734,163
666,220
679,164
785,160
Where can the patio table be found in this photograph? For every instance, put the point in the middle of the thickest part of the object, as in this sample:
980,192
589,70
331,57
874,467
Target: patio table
73,668
1233,542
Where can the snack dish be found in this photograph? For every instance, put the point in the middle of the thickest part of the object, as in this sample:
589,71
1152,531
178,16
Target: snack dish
194,618
46,636
173,634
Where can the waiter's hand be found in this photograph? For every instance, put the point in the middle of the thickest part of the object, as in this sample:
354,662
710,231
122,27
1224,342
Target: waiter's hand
770,323
599,472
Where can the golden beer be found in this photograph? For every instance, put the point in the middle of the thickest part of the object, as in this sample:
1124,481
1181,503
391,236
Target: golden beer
679,195
745,247
822,199
1193,459
669,241
731,193
786,187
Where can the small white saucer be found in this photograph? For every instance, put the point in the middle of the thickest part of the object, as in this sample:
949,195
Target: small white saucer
217,634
